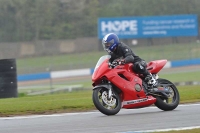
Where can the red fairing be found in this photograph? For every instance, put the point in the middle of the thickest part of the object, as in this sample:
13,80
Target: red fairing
100,71
131,97
126,80
156,66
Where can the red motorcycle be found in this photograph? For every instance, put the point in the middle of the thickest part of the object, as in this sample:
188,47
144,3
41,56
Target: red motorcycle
120,87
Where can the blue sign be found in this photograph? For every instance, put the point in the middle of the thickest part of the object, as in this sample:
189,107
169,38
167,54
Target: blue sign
147,27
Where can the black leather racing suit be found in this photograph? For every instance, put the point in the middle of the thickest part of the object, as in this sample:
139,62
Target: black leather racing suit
124,51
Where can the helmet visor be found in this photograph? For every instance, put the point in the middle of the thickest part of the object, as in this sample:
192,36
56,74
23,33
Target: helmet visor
106,45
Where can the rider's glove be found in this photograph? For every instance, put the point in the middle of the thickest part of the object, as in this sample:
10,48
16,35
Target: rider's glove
113,64
121,62
109,65
116,62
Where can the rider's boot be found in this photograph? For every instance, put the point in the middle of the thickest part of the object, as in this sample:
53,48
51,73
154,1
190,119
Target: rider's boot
151,81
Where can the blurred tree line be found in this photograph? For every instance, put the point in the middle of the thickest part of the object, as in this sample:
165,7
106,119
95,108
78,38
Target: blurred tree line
32,20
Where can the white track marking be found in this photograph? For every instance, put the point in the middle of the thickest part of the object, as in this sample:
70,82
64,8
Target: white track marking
163,130
39,116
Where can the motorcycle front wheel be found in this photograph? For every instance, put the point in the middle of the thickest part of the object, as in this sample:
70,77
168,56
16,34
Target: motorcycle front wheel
106,105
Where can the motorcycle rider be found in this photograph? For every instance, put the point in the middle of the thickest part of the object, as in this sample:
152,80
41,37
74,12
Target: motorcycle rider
123,53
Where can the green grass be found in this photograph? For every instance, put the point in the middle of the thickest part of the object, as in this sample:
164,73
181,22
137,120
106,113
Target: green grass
70,102
58,62
182,76
189,94
52,103
89,59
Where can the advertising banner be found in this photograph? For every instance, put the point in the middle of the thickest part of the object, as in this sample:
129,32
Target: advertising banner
149,27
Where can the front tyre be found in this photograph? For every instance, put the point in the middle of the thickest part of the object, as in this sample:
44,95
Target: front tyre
172,101
105,105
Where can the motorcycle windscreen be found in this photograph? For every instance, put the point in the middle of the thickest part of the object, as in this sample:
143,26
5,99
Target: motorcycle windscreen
101,67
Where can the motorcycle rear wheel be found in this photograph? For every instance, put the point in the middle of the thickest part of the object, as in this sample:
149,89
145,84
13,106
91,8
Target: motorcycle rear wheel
170,103
106,106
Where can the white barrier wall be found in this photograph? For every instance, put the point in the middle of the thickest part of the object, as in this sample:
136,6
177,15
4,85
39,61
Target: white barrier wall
70,73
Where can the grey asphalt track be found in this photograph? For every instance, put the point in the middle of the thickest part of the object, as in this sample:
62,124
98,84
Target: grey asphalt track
128,121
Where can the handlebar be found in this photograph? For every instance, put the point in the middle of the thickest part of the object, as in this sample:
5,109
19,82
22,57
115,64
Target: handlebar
113,64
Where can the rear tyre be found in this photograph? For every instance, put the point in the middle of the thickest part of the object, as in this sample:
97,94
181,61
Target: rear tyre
106,106
171,102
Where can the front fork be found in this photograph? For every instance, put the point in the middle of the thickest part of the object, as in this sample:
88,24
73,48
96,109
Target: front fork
110,93
107,86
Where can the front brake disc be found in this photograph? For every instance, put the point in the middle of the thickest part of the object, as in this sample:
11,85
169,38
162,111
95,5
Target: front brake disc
109,102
